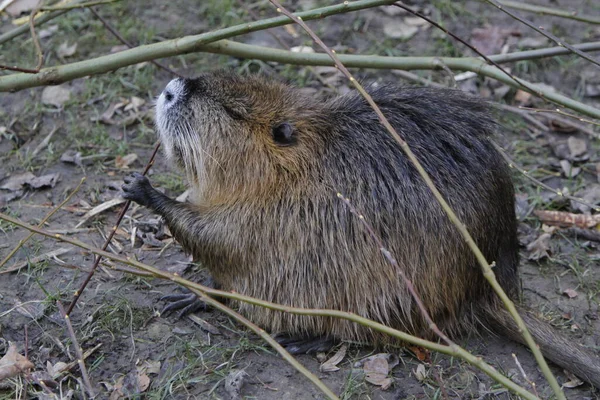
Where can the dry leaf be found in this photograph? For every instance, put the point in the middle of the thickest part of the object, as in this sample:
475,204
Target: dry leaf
135,103
64,50
420,373
71,156
573,380
538,249
302,49
395,29
567,220
125,161
421,353
99,209
13,363
522,97
17,182
55,370
577,147
489,40
143,381
568,169
570,293
376,372
30,309
17,7
56,95
331,364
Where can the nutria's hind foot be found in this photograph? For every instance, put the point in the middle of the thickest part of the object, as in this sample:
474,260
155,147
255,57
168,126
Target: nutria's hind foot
187,302
304,345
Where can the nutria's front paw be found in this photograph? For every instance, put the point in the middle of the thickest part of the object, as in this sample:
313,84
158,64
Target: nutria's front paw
137,188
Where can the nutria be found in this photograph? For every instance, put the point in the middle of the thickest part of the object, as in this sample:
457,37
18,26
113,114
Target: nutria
265,163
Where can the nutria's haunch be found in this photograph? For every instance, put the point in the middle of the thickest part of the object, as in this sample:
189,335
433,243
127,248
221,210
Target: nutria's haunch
265,163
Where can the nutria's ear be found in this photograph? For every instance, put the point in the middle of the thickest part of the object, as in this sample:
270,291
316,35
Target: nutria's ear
284,134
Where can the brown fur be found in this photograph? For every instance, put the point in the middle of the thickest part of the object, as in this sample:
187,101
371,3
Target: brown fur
266,222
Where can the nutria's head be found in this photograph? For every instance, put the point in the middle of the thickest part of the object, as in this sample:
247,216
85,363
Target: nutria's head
237,133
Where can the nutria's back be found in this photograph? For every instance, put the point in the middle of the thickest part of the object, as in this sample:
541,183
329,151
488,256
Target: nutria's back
266,163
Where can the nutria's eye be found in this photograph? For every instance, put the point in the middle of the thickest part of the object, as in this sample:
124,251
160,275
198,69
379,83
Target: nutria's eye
283,134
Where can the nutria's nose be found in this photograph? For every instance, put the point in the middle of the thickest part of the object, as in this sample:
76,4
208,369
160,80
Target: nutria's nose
172,92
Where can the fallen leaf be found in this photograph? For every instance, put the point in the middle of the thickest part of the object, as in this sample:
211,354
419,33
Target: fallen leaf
573,380
395,29
568,169
234,382
13,363
43,181
421,353
56,95
64,50
72,157
134,103
291,30
538,249
522,97
143,381
99,209
376,372
54,370
590,194
17,182
17,7
577,147
420,373
331,364
491,39
570,293
125,161
31,309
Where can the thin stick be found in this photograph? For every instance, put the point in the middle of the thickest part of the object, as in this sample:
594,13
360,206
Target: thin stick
532,384
78,350
561,112
120,37
80,5
550,11
487,270
77,294
543,32
158,273
41,224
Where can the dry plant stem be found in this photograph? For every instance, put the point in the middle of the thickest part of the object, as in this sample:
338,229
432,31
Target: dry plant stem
455,351
514,165
78,293
543,32
120,37
390,258
267,338
187,44
78,350
487,270
549,11
41,224
532,384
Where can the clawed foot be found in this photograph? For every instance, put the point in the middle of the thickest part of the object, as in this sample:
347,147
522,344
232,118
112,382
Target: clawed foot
187,302
137,188
298,345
